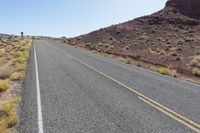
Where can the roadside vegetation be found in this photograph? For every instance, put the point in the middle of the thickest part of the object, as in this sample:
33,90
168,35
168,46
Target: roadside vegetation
14,52
167,71
4,85
8,114
195,64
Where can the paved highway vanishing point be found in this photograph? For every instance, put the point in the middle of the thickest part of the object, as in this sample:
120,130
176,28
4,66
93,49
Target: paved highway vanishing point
68,90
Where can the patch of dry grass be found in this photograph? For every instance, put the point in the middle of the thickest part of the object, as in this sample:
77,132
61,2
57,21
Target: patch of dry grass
19,55
4,85
5,74
19,67
17,76
167,71
196,72
128,61
195,61
9,117
164,71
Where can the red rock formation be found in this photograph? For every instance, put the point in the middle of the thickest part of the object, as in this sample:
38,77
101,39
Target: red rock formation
190,8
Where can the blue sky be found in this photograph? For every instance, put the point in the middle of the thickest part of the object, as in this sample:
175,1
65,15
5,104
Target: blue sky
69,17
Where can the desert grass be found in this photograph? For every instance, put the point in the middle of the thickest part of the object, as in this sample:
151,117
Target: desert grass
13,64
196,72
4,85
8,116
167,71
16,76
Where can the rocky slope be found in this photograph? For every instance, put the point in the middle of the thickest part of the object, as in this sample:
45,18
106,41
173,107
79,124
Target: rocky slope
168,38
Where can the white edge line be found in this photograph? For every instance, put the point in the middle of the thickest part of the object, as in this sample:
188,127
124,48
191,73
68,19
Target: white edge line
39,105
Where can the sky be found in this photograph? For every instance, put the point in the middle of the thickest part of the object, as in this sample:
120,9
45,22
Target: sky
58,18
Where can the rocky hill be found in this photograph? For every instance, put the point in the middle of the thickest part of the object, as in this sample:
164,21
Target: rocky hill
169,38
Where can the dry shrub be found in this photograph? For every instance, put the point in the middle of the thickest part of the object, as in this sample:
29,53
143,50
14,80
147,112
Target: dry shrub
4,85
17,76
196,72
167,71
10,118
195,61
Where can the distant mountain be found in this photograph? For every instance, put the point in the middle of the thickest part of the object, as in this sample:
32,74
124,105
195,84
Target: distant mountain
168,38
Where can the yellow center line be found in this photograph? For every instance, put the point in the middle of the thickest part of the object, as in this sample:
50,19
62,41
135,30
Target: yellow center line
189,123
170,115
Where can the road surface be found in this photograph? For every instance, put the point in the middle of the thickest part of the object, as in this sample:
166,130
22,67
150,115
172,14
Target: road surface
68,90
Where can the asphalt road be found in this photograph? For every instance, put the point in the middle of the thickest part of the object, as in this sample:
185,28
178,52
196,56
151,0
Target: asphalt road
68,90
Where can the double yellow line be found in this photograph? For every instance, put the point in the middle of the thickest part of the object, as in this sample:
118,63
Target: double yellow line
178,117
174,115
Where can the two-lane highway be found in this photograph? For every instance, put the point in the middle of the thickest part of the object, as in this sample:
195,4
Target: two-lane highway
68,90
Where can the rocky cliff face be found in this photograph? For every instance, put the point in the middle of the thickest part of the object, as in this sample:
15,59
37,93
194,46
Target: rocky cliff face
189,8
